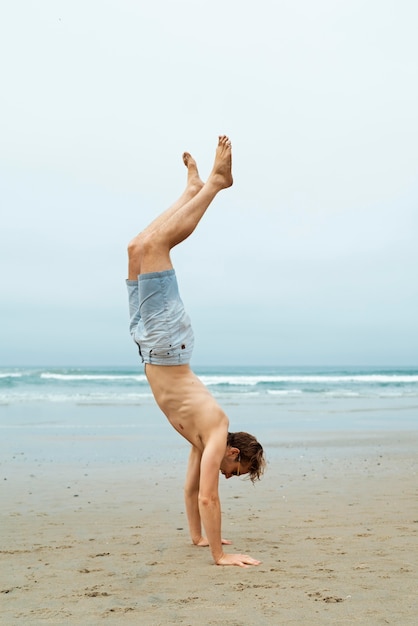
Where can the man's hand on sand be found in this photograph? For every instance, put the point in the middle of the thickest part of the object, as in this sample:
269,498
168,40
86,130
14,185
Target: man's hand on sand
242,560
203,542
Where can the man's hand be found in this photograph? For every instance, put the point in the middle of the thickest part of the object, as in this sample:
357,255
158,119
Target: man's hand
242,560
203,542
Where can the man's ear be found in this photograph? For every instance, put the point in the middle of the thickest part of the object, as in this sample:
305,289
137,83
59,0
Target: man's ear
232,452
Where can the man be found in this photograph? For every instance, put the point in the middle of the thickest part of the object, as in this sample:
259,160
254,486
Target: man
163,333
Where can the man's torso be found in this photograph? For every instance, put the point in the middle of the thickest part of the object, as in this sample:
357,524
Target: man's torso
186,402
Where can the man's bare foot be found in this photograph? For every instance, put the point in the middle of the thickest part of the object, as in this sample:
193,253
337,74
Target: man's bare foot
193,179
221,174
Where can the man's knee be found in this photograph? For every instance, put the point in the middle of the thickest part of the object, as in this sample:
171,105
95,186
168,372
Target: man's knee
148,252
137,246
145,245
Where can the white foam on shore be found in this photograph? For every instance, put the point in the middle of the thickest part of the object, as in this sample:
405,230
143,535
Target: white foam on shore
308,378
74,398
10,375
80,377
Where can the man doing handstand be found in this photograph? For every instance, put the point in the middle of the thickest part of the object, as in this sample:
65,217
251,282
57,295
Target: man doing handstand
162,330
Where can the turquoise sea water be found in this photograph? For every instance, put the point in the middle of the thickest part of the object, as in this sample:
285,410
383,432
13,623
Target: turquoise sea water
109,413
128,385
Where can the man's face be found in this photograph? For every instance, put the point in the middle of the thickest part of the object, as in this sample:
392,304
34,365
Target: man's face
231,464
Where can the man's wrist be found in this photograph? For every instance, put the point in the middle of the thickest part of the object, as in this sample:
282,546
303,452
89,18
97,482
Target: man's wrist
218,556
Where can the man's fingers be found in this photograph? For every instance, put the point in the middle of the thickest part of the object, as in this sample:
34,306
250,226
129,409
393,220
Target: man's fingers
247,561
242,560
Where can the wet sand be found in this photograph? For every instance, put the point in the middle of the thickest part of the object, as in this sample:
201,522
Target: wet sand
334,521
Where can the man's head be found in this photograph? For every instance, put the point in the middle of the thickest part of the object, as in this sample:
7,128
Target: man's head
244,455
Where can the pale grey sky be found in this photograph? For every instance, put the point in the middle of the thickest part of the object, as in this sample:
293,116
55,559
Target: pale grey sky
311,258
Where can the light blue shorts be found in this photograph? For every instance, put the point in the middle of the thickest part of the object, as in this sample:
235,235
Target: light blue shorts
159,324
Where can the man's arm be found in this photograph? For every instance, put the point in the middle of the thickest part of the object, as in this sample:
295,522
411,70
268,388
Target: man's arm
191,493
209,503
191,498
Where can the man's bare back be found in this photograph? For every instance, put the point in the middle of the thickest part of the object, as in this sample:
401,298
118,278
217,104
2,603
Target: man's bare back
162,330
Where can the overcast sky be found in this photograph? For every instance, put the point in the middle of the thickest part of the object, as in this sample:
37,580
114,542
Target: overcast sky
310,258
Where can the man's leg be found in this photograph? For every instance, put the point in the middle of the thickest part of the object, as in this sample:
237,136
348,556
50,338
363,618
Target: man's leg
193,186
150,250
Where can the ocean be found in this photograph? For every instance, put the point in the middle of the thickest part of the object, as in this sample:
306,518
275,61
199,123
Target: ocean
127,385
109,412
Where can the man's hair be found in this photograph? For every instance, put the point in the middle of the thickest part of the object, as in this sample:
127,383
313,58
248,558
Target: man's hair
251,453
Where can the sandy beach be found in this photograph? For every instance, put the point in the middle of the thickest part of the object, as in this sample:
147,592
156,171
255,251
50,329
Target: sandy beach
334,521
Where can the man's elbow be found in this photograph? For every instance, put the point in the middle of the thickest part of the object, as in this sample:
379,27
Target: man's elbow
208,500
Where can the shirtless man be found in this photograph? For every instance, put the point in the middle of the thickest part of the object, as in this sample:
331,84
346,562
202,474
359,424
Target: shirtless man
162,330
